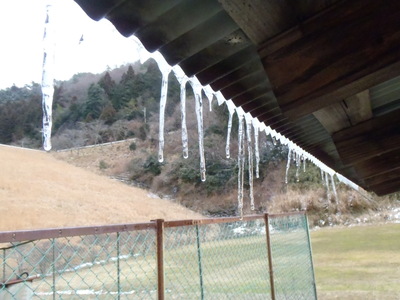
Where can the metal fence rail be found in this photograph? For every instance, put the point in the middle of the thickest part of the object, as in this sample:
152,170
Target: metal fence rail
259,257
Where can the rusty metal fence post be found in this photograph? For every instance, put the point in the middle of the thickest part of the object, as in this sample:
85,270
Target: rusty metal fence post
54,268
311,258
271,271
4,265
118,267
160,258
200,263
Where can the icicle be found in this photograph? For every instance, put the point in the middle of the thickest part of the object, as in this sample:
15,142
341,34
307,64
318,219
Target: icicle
273,140
231,109
47,79
199,114
165,69
228,136
304,164
241,159
183,121
209,94
163,102
250,158
297,160
347,182
220,98
265,128
256,148
182,79
282,140
288,165
328,192
322,177
143,54
334,189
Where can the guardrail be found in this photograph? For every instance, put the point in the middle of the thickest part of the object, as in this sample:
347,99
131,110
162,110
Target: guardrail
97,145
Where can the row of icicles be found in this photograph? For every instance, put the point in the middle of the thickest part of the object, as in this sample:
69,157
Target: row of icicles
248,130
327,178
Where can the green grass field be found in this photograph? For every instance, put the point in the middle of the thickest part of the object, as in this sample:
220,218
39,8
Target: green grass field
361,262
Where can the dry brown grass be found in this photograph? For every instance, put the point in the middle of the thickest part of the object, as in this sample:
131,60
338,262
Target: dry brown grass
39,191
115,156
350,206
271,194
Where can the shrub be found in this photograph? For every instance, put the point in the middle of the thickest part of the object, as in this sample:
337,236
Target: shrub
189,175
215,129
103,165
135,168
132,146
143,130
151,165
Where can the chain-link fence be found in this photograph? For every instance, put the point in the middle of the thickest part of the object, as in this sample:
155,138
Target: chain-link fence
223,258
292,265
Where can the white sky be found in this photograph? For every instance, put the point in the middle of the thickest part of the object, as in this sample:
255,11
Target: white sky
21,36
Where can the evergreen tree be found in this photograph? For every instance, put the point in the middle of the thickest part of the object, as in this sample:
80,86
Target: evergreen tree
96,101
108,84
108,114
125,90
128,76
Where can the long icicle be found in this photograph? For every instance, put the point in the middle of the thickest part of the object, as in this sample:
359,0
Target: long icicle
241,159
297,167
182,79
47,79
328,192
288,165
322,177
231,110
183,121
250,159
163,102
334,189
228,136
197,88
165,69
256,148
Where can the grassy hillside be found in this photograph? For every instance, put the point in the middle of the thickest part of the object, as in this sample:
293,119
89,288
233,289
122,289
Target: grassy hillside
39,191
123,104
118,160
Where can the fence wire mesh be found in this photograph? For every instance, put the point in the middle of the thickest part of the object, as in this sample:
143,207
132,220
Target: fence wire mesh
291,257
235,261
215,259
104,266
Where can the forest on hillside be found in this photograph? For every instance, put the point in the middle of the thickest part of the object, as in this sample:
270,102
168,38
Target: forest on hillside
123,103
87,109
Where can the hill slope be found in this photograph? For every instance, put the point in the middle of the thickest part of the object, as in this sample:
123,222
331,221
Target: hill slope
39,191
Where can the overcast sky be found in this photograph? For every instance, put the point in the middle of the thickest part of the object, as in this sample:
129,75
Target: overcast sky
21,35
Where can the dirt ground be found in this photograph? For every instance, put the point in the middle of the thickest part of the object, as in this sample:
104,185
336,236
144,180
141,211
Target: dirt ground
39,191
